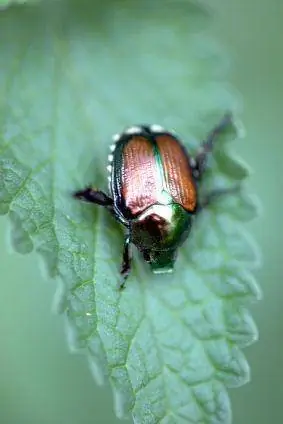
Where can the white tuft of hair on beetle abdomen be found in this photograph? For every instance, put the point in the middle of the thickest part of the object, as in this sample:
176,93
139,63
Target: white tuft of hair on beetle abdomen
133,130
155,128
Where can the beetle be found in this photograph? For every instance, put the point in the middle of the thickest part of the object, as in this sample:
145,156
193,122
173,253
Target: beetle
153,191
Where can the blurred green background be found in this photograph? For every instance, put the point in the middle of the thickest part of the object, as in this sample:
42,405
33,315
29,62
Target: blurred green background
41,382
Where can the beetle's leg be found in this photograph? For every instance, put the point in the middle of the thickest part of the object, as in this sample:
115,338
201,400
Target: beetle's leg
199,162
211,197
146,255
126,263
94,196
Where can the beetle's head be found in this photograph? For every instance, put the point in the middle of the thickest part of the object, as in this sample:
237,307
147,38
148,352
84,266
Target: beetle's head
158,232
160,261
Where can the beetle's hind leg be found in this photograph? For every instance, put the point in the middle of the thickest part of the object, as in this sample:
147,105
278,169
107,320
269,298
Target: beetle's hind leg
94,196
199,162
126,262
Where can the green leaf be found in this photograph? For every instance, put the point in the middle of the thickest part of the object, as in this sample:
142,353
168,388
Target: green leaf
6,3
73,73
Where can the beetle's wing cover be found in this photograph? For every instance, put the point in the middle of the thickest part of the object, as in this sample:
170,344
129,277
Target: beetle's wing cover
177,171
140,184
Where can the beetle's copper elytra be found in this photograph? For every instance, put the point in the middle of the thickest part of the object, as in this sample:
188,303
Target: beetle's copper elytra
153,191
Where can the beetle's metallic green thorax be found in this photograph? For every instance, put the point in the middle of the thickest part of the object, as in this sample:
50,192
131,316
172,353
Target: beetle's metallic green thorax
160,230
161,226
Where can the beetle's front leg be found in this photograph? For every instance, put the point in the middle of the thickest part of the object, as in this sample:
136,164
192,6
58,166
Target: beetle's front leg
94,196
126,262
214,195
199,162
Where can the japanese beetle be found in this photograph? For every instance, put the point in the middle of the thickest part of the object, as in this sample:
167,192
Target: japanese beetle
153,191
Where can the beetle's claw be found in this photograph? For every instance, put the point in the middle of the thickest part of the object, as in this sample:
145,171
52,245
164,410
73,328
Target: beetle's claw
77,195
122,285
80,194
125,271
